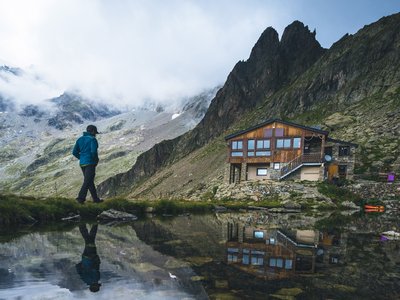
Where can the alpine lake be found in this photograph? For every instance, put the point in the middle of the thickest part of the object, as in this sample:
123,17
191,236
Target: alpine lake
228,255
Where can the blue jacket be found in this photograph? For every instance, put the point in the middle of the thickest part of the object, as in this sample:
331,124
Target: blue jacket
86,150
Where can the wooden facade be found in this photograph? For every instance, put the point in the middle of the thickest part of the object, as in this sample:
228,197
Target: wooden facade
274,150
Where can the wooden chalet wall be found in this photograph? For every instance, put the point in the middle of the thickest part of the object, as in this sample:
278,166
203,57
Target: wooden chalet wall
277,155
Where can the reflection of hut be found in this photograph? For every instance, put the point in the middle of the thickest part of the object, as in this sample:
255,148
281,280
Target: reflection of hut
270,253
332,248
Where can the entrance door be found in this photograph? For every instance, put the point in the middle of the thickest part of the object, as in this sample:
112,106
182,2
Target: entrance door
333,171
342,171
235,173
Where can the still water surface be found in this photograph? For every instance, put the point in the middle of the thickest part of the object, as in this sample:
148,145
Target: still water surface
249,255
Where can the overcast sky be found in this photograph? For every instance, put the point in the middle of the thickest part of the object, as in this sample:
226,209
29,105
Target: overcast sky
127,51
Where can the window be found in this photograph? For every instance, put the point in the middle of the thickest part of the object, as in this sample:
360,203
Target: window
258,234
246,259
237,145
232,254
237,154
342,171
288,264
296,143
276,262
257,257
278,131
283,143
279,262
262,171
232,257
263,144
263,153
250,144
257,260
328,151
277,166
344,150
250,148
272,262
268,132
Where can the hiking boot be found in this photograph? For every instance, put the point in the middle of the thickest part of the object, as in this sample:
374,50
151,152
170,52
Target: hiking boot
98,201
80,201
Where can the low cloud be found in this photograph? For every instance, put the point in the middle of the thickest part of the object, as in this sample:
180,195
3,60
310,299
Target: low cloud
128,51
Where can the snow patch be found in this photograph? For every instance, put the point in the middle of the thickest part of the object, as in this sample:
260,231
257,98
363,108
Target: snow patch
174,116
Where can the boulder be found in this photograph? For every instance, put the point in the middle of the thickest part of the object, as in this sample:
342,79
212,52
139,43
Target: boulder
291,205
113,214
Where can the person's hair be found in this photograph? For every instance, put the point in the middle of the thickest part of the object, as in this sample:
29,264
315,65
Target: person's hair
92,129
95,287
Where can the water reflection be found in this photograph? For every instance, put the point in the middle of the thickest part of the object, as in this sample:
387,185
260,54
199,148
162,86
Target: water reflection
224,256
89,267
272,253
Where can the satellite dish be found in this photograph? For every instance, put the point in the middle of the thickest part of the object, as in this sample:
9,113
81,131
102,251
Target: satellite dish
328,157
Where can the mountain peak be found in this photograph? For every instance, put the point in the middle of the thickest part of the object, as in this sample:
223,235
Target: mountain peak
298,35
267,44
295,31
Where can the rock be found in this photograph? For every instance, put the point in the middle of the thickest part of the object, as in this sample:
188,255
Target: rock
349,204
72,217
197,278
338,120
291,205
251,207
149,209
287,293
198,260
113,214
218,208
221,284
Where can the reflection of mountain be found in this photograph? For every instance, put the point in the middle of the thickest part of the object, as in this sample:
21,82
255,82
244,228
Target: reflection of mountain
45,264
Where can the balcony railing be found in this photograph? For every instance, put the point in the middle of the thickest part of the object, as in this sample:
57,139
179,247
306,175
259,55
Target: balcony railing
299,160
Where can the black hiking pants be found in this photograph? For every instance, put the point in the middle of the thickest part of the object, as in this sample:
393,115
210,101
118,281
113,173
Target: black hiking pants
89,172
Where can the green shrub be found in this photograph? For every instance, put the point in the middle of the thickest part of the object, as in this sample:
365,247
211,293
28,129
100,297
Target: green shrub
337,194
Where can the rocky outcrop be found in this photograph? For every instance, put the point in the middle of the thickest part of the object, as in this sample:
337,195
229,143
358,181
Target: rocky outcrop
146,165
75,109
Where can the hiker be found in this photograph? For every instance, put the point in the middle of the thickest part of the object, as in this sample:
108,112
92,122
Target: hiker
89,267
86,151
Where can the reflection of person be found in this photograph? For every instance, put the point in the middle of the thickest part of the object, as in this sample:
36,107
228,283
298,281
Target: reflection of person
88,268
85,150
